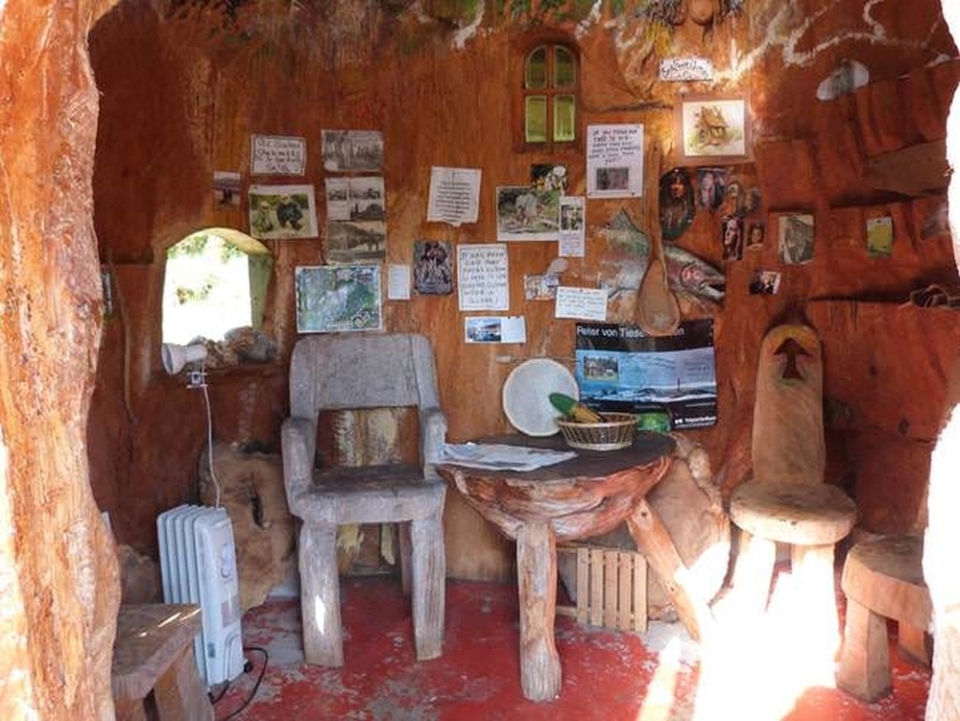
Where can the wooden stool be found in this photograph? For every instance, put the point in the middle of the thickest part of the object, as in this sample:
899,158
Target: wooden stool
811,518
882,579
153,651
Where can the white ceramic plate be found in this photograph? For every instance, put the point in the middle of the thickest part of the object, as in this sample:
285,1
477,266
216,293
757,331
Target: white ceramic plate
526,395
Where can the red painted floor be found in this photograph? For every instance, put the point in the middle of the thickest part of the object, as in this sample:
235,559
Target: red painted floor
608,676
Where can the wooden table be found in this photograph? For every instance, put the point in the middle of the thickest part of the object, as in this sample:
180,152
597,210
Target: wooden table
585,496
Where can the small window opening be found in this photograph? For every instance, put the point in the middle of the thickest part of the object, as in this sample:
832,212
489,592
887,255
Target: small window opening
214,285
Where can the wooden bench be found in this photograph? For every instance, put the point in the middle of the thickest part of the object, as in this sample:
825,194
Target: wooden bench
153,652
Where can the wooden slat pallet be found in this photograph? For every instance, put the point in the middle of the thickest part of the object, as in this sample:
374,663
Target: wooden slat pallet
611,587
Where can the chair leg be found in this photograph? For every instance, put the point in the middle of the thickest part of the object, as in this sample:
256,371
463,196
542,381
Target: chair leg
429,585
812,567
865,657
403,536
320,595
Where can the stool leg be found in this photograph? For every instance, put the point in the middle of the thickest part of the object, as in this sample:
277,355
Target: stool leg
429,585
320,595
753,572
865,656
180,694
913,645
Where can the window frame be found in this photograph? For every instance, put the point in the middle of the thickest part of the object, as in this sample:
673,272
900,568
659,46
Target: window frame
523,54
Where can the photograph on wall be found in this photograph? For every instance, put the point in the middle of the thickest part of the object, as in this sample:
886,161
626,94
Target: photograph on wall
226,188
332,299
711,187
525,213
677,205
277,155
795,235
621,368
432,267
614,161
756,232
493,329
352,150
573,227
880,236
546,176
731,237
357,199
712,128
279,212
765,282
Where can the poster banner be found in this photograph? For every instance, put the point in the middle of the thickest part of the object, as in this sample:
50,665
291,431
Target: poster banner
621,368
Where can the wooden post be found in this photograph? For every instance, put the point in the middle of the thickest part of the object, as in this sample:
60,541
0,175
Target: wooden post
540,674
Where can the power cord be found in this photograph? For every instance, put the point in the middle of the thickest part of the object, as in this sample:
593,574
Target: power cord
247,667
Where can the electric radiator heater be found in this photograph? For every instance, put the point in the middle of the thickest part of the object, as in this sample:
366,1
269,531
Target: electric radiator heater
198,566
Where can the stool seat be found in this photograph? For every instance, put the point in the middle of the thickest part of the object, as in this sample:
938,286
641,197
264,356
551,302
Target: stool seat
808,514
882,579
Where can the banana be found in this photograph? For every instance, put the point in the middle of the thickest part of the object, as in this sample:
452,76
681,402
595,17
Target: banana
574,410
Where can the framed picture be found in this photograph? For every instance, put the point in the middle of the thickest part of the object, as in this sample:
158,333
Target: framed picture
795,237
333,299
712,129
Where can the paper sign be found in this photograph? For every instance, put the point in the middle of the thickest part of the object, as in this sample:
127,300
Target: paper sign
398,282
454,195
614,161
572,227
277,155
582,303
482,280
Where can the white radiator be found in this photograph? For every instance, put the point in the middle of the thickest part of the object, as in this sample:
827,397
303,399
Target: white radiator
198,565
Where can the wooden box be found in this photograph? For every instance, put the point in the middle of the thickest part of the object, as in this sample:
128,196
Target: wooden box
611,588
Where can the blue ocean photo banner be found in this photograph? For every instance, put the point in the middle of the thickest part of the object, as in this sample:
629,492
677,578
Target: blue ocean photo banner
621,368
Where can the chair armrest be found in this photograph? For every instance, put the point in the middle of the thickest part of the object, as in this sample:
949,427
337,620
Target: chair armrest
433,436
298,438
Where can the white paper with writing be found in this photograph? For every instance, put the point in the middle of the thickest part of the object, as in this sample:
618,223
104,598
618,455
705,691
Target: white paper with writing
614,161
581,303
482,280
277,155
454,195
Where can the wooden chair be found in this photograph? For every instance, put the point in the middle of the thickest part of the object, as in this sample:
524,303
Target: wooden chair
883,579
365,371
787,501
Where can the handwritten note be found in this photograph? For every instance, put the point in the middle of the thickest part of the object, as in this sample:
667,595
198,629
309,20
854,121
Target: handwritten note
454,195
277,155
614,161
482,279
582,303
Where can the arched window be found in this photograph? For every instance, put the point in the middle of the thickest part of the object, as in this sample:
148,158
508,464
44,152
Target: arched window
215,281
550,88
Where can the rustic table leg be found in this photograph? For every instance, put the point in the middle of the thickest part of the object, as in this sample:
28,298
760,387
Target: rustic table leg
429,577
320,595
653,541
537,577
864,658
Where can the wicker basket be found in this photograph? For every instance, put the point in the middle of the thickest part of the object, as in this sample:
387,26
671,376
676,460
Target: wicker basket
617,432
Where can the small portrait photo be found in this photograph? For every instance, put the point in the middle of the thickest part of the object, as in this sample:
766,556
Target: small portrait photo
795,238
677,206
765,282
711,187
756,232
731,237
613,178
